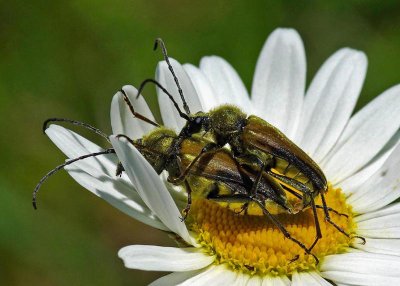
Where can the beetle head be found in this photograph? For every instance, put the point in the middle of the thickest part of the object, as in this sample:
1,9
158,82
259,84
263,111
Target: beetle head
195,124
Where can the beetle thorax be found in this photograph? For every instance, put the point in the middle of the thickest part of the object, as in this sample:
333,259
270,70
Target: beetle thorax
156,147
160,140
226,120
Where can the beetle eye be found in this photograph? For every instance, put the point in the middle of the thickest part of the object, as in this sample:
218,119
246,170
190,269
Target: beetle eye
198,120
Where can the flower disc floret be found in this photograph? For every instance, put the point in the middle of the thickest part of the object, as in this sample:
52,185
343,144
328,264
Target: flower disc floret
255,245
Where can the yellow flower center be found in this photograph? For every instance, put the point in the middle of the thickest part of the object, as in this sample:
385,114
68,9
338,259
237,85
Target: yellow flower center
253,244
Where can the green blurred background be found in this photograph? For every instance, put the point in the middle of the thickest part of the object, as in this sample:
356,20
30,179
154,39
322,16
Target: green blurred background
67,59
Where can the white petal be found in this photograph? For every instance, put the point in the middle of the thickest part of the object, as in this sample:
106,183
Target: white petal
241,279
116,192
254,281
352,184
390,232
214,275
169,114
309,279
178,193
74,145
357,279
362,269
276,281
380,224
389,210
174,278
226,83
365,135
279,80
203,87
150,187
122,119
382,188
381,246
157,258
330,101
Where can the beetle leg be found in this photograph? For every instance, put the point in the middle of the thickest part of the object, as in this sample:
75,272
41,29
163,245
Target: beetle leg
332,210
253,160
318,235
306,193
295,184
207,149
278,224
134,113
244,208
328,217
254,188
120,169
186,210
329,220
160,166
231,198
297,195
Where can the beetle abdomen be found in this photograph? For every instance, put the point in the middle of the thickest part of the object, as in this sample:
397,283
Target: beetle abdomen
283,167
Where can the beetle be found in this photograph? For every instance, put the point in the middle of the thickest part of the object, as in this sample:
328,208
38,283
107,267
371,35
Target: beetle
217,176
260,187
256,144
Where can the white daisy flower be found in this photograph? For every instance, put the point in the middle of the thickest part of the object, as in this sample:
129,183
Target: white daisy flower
359,154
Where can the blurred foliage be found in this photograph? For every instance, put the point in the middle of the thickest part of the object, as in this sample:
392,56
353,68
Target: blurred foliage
67,59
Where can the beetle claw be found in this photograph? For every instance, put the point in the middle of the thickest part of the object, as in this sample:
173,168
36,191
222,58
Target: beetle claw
297,208
363,241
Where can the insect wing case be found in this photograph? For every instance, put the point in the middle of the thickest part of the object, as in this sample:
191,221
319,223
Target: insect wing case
291,160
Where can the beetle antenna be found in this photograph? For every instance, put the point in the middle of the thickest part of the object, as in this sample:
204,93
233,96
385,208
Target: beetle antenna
134,113
149,80
59,167
129,140
160,42
74,122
